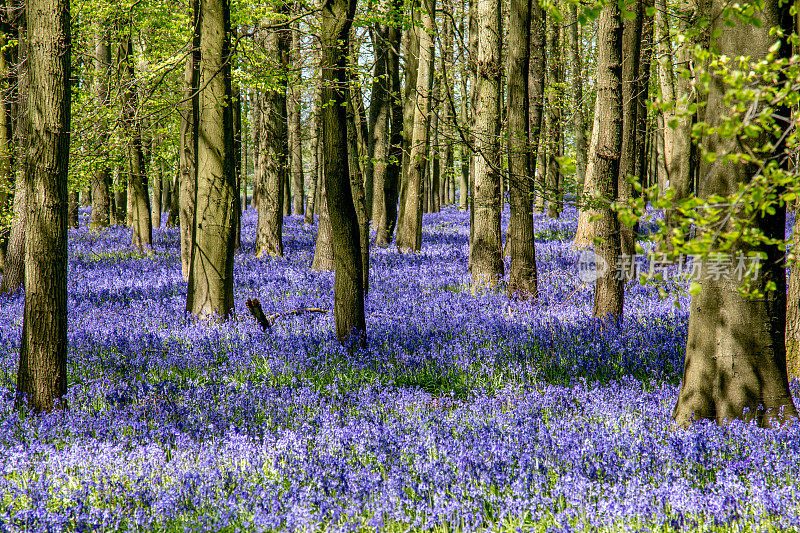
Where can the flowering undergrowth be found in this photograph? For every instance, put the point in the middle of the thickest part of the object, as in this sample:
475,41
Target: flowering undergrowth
468,411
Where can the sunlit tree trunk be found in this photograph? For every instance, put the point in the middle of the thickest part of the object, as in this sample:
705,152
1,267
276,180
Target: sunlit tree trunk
210,290
608,290
296,133
409,232
101,175
42,373
337,18
578,120
274,152
486,256
554,181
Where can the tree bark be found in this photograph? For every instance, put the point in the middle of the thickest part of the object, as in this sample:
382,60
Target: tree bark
210,290
578,120
735,366
42,374
140,201
337,18
522,274
554,181
378,147
409,233
14,268
608,290
296,134
312,206
536,93
486,255
631,59
101,175
274,153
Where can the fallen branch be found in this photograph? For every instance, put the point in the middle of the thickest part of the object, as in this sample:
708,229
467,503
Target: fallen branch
266,321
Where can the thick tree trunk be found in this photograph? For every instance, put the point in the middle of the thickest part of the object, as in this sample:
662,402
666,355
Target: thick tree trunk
274,152
188,156
337,18
608,290
140,199
411,53
522,274
536,93
486,255
631,58
42,374
357,183
323,247
210,291
409,233
735,366
554,181
793,302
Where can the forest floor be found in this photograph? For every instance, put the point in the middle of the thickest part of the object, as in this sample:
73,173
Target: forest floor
467,412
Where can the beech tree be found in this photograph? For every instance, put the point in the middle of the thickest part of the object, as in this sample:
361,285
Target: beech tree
42,374
210,289
337,19
735,365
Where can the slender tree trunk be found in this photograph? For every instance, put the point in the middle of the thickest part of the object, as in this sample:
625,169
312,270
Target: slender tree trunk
101,175
466,152
73,203
157,171
140,199
337,18
522,274
578,120
357,184
379,118
274,152
42,374
674,93
644,135
174,206
296,134
608,291
14,268
409,234
210,291
486,256
391,177
553,178
316,131
448,111
258,126
631,59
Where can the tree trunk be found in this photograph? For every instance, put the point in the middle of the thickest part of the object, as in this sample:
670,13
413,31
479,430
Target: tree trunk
357,183
379,118
210,291
388,222
316,131
140,199
101,175
323,247
735,366
465,150
677,121
14,268
411,52
409,234
578,120
522,274
448,111
337,18
42,374
486,255
608,290
554,181
274,151
295,126
258,126
631,59
157,171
